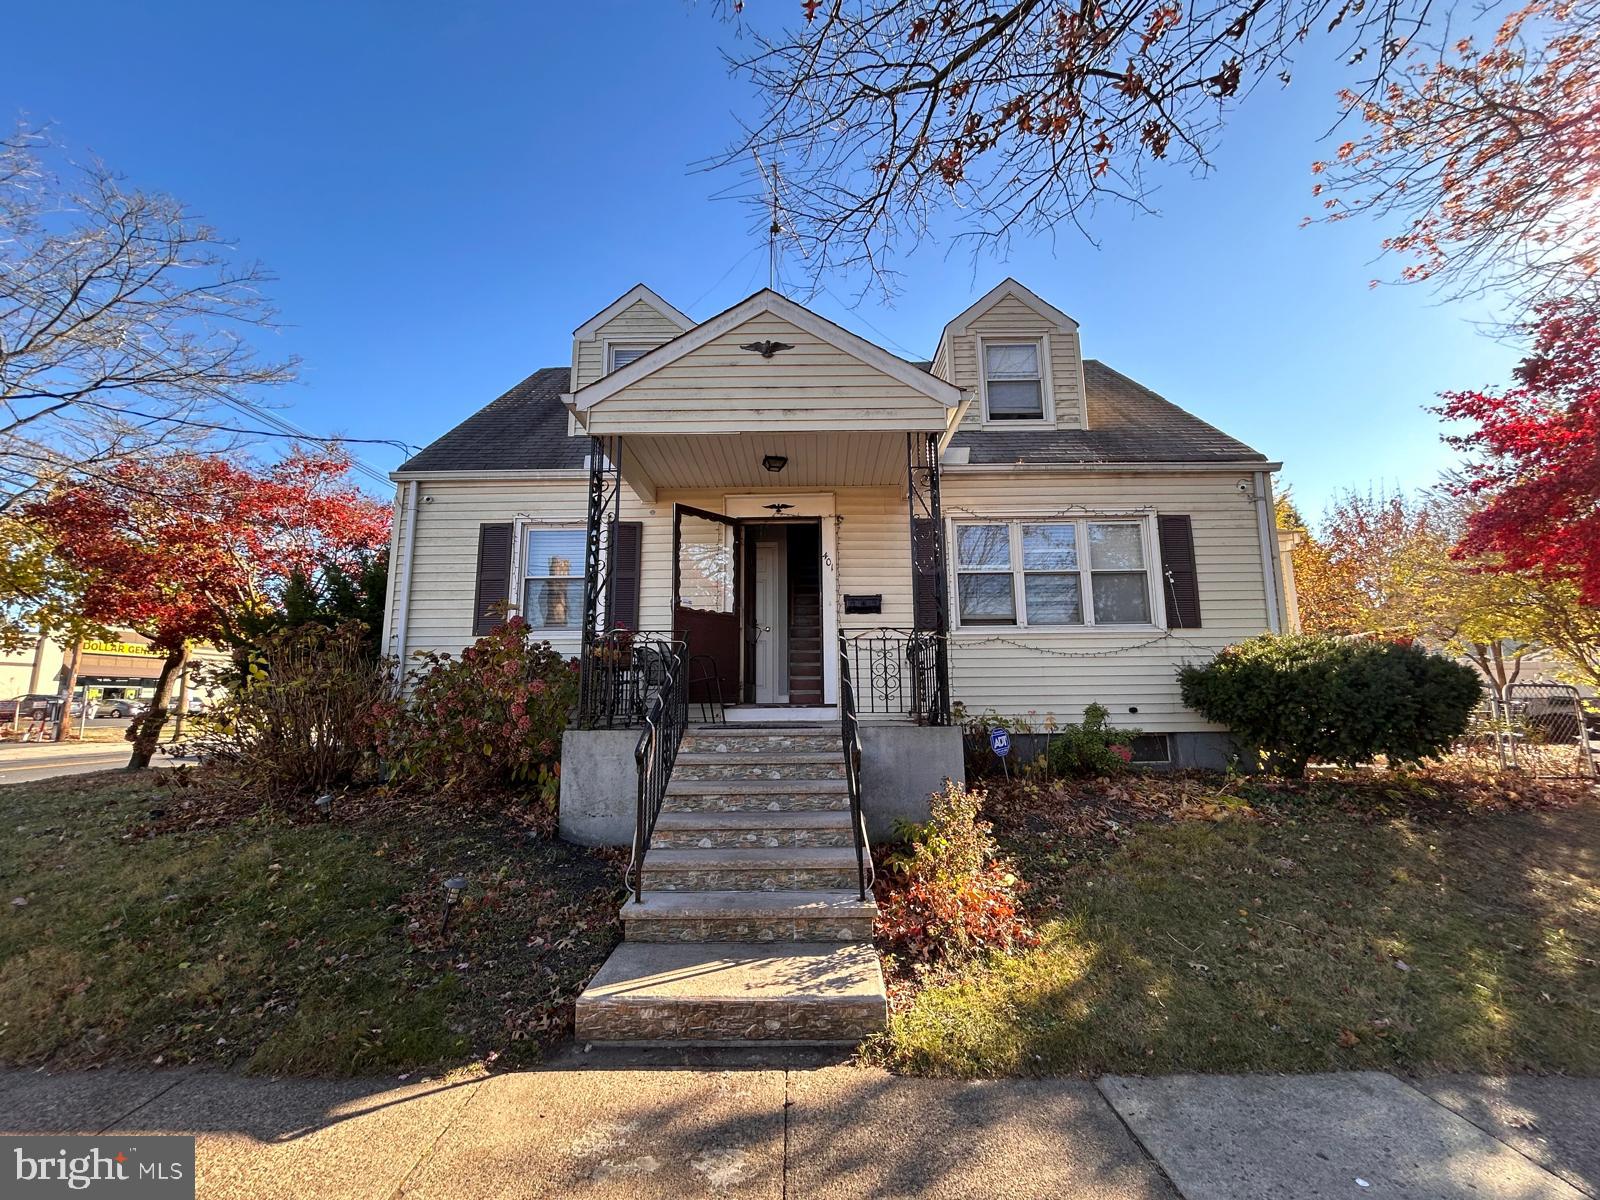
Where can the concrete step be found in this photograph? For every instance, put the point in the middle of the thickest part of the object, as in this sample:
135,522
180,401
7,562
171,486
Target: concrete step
755,795
833,916
784,869
750,830
716,993
761,738
760,764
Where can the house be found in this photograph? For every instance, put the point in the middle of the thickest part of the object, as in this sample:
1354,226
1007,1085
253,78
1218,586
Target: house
763,518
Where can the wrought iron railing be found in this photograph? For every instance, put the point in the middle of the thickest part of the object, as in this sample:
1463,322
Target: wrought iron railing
620,672
899,672
665,717
850,731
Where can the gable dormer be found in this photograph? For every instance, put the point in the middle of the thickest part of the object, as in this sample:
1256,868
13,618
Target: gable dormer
1019,359
631,325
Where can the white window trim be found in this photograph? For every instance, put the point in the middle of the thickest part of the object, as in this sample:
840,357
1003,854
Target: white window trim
519,576
609,346
1046,382
1152,570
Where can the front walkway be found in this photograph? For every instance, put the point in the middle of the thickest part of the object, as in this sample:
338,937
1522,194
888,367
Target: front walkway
644,1125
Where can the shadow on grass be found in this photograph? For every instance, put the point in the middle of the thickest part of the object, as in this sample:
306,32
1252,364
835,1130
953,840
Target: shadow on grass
1315,943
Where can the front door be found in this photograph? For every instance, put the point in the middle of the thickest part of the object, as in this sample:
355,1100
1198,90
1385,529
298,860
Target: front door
705,600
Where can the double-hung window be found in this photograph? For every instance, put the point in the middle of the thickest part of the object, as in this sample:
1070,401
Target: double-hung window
1013,381
1052,573
552,577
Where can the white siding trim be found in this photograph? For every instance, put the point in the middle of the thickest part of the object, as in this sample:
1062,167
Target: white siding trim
1106,468
530,473
408,558
625,301
1269,550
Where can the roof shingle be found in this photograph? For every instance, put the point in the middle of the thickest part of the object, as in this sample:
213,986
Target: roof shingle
526,429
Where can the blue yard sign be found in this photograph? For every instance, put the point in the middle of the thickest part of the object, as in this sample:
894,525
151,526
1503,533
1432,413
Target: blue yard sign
1000,742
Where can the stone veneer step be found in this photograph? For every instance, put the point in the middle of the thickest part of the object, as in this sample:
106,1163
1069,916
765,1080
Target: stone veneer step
748,795
717,993
825,916
750,830
763,870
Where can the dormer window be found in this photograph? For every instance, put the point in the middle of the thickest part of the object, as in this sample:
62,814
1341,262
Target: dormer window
620,355
1013,381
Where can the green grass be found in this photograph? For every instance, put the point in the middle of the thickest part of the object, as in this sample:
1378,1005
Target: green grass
1277,946
281,946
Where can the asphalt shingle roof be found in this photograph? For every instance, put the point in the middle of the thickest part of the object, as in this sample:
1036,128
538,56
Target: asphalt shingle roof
1128,423
526,429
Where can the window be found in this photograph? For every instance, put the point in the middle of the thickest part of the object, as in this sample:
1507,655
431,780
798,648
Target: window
1037,573
621,356
552,578
1013,381
1151,748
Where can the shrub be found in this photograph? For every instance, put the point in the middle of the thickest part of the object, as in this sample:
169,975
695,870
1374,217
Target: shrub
1092,748
980,761
298,714
1293,698
948,894
489,720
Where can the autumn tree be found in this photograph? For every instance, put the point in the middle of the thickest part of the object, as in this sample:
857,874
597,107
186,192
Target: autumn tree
1020,114
1485,155
124,323
1533,467
182,547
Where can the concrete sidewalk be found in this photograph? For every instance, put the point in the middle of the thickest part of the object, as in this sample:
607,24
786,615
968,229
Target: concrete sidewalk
633,1126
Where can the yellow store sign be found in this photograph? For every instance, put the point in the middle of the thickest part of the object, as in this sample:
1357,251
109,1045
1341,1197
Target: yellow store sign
119,648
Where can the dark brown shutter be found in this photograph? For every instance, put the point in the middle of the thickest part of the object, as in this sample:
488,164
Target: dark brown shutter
925,580
1180,583
494,579
627,563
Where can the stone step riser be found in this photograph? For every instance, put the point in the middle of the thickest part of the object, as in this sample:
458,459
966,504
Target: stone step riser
777,929
748,879
690,1020
747,839
735,772
756,804
760,743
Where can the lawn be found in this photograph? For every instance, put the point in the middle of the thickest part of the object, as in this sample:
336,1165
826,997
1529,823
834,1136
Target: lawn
151,920
1284,935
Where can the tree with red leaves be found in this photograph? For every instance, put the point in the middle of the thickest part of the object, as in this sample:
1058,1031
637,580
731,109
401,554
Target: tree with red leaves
180,547
1535,465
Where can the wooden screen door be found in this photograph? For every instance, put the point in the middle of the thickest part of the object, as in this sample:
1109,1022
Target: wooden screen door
705,597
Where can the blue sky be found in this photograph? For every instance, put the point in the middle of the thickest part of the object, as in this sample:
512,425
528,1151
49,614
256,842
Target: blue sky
445,191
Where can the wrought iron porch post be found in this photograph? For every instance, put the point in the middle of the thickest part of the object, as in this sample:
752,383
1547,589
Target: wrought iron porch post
928,563
605,502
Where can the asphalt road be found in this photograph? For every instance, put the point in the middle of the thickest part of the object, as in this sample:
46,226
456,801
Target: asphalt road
22,763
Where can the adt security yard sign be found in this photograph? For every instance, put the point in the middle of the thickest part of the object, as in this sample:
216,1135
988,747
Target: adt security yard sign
1000,743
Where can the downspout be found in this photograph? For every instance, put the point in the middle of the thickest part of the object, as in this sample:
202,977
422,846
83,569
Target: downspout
403,579
1266,527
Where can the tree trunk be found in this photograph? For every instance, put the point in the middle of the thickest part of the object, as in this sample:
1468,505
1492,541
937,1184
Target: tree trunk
146,733
183,695
72,686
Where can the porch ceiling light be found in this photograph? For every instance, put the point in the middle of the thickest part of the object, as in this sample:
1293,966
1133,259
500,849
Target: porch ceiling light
774,462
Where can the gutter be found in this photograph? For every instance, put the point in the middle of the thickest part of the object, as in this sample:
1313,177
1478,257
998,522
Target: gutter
1267,528
530,473
403,578
1253,465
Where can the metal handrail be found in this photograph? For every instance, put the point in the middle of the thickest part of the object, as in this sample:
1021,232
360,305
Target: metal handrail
902,672
656,751
850,731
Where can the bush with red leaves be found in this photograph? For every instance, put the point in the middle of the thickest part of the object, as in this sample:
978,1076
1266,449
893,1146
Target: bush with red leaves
948,894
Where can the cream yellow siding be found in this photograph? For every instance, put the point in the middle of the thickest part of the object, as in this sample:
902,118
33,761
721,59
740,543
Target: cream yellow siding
1012,670
719,388
641,323
1017,671
1009,316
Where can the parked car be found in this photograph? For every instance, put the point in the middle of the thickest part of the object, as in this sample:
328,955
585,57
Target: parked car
195,705
128,706
27,705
